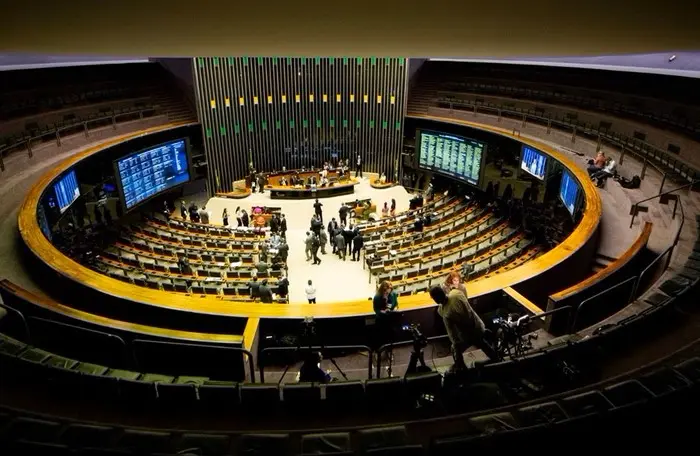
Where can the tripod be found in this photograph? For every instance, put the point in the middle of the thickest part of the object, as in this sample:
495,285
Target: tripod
417,356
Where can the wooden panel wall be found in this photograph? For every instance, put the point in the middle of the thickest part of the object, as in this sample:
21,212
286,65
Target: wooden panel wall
299,112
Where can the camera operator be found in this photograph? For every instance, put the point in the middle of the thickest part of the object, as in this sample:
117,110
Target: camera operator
311,369
464,326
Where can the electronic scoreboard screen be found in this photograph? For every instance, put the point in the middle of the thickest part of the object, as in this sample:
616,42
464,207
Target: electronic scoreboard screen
144,174
452,155
67,190
568,191
534,162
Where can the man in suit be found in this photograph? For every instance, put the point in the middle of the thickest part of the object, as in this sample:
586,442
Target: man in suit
316,224
357,243
332,226
308,242
324,239
358,166
283,226
318,211
343,212
340,244
265,292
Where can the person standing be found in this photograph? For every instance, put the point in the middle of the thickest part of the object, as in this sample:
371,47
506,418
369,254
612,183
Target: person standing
315,245
392,211
316,224
358,166
283,286
324,239
244,218
357,244
224,217
183,210
332,226
239,214
265,292
464,327
311,292
283,251
340,244
308,243
343,213
283,226
318,211
261,182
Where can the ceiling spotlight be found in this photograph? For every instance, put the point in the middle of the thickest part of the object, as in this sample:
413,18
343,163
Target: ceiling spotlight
672,58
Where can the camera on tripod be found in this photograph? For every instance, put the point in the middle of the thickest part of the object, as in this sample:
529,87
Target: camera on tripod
419,339
510,338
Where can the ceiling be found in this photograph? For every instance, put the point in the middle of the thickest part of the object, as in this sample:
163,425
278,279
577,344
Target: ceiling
454,28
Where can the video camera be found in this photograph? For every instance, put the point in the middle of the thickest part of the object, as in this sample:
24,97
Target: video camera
419,339
510,337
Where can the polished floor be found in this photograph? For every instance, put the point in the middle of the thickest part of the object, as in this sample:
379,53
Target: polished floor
334,279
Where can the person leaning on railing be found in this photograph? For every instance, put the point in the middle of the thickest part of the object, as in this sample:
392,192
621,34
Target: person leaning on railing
464,327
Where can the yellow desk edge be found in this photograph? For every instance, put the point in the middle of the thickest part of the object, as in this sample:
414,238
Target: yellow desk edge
57,307
42,248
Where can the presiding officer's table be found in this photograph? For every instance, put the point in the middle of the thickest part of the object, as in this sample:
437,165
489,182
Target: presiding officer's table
337,185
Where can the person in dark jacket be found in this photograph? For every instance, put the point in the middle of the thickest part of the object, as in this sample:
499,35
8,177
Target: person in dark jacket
318,211
265,292
283,286
283,251
343,213
340,245
357,244
323,237
283,226
311,371
315,245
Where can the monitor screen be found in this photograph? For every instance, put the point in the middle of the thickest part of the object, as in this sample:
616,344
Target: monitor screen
452,155
67,190
568,191
534,162
151,171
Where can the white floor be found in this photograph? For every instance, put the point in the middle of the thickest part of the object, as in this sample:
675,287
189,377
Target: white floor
333,274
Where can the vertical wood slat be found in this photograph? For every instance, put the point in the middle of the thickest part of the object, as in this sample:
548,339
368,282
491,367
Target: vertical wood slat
228,153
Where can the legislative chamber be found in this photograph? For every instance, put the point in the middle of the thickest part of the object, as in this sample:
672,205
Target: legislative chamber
342,255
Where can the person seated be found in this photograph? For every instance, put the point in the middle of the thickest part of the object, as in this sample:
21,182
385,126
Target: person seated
311,371
324,182
283,181
607,171
596,164
385,209
382,179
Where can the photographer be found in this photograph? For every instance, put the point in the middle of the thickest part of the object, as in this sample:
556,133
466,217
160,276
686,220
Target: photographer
385,302
464,326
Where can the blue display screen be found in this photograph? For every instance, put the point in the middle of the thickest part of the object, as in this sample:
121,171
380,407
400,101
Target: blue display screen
568,191
455,156
534,162
67,190
151,171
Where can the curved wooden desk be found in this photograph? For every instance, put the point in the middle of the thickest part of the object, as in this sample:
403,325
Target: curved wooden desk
46,252
279,191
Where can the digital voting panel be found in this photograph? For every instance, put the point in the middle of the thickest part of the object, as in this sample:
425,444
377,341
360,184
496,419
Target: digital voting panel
149,172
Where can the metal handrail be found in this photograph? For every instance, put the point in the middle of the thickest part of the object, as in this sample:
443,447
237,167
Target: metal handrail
56,131
586,301
319,348
249,355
